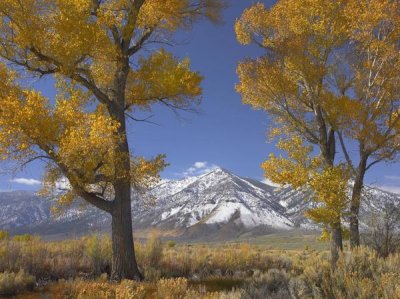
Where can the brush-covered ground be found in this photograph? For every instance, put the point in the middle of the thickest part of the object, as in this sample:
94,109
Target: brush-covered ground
254,268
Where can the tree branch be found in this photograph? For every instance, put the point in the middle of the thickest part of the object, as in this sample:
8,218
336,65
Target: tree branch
95,200
34,159
146,35
375,162
345,152
90,197
100,95
311,136
129,29
146,120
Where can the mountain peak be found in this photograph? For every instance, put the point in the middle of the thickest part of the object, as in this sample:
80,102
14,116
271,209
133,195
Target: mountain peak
220,170
215,175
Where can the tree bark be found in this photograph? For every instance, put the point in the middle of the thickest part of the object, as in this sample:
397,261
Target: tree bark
336,243
355,203
124,265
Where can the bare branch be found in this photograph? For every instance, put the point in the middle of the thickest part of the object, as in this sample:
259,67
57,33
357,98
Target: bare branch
34,159
374,163
146,120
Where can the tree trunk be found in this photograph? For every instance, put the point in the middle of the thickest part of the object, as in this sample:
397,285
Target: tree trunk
336,243
124,265
355,204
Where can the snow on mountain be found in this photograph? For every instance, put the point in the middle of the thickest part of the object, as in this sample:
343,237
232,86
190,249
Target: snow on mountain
170,187
20,208
296,203
219,202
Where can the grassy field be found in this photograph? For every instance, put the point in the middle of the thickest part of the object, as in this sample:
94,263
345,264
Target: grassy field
288,241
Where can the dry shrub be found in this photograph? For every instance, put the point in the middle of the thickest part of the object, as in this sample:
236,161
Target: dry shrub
171,244
172,288
55,260
273,284
163,289
14,283
149,256
359,274
224,260
98,250
80,289
4,235
152,251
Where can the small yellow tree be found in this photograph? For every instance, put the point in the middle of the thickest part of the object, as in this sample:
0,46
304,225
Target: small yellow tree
93,50
306,172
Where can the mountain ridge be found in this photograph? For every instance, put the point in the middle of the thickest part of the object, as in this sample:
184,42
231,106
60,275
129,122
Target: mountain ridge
216,205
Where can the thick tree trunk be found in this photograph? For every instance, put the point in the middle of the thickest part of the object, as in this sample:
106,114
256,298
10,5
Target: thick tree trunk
336,243
124,265
355,204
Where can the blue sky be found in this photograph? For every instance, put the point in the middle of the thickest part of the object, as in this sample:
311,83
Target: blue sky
225,132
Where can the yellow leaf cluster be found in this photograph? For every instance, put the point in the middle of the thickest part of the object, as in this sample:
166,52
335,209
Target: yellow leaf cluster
339,57
295,168
145,173
330,188
161,76
44,26
95,139
290,22
328,184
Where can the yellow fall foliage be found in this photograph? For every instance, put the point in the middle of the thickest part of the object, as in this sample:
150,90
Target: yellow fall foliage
329,69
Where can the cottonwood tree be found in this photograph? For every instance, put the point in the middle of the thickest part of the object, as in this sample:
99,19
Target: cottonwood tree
330,69
367,76
94,50
289,81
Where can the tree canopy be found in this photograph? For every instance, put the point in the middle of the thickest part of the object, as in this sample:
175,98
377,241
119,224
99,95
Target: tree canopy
86,46
328,75
94,49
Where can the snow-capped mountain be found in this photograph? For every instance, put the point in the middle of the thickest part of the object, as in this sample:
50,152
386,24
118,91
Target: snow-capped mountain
218,204
218,197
